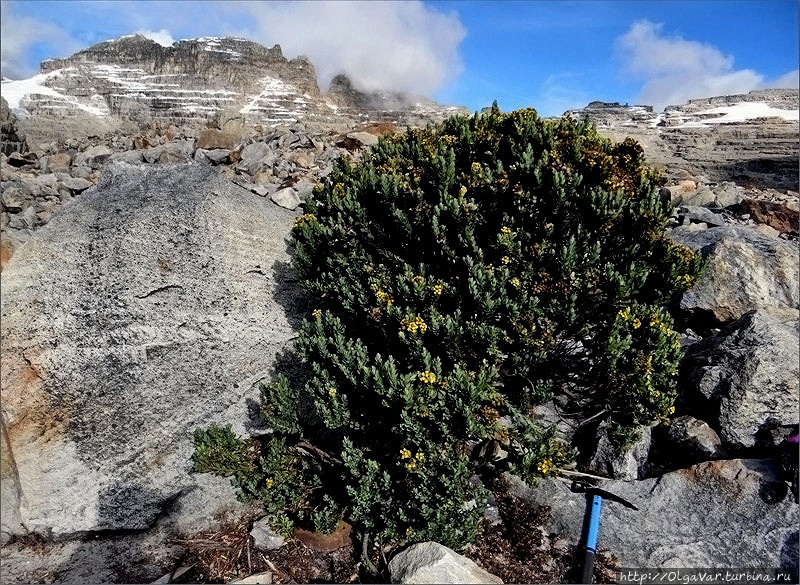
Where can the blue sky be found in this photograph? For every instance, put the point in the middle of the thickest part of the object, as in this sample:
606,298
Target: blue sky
548,55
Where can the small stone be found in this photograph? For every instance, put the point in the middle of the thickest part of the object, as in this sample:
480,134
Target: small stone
628,463
304,189
94,156
694,438
364,138
14,198
129,156
54,163
696,214
255,153
286,198
217,155
430,562
264,537
76,184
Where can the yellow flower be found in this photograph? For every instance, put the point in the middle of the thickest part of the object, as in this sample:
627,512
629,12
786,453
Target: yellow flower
308,217
636,323
505,230
546,466
415,325
437,290
505,260
462,191
421,456
411,465
405,453
427,377
515,282
332,392
409,532
269,482
316,313
384,297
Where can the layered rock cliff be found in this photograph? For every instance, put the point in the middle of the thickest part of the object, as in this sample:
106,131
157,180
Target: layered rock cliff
134,80
751,138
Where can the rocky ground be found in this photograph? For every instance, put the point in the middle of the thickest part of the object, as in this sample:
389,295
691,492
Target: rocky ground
146,289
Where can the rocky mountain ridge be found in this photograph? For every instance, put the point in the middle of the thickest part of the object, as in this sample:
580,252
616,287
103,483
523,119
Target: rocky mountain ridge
749,138
133,80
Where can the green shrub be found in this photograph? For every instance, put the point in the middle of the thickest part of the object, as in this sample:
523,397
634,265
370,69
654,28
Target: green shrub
463,273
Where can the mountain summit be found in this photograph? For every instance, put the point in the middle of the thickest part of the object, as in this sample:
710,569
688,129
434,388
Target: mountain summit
135,79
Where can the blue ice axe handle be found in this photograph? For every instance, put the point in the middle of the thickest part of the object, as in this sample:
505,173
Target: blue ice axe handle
591,538
593,526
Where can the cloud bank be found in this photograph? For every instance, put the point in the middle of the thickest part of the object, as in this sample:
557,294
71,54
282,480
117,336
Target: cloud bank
674,70
162,37
20,34
405,46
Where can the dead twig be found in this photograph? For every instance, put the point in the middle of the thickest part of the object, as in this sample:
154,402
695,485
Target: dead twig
581,474
327,457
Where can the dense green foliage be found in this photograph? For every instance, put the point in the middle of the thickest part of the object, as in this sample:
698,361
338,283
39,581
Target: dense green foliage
463,273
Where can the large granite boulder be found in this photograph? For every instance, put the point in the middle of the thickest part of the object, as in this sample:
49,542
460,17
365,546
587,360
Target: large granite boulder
725,514
746,379
144,312
746,270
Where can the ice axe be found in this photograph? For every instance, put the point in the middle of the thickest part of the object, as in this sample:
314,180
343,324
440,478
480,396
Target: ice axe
594,502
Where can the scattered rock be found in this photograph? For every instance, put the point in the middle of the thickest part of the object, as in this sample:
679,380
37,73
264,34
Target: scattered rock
76,184
217,155
746,270
14,198
430,562
701,197
56,163
695,214
129,156
94,156
783,216
304,189
727,194
747,378
16,159
626,463
726,514
84,172
363,138
693,440
286,198
264,537
213,138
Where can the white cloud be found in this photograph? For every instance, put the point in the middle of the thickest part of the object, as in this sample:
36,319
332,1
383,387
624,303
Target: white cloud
405,46
789,80
674,70
162,37
20,34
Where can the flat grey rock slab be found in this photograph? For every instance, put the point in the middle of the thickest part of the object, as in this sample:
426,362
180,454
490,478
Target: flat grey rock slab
728,514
